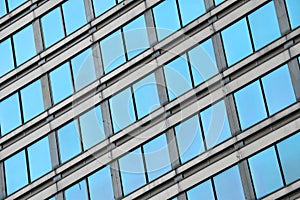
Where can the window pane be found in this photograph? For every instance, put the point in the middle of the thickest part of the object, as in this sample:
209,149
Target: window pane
136,37
250,112
237,43
2,8
77,191
73,22
61,83
217,2
32,100
264,25
190,10
289,153
228,185
52,21
39,158
203,62
122,111
203,191
15,172
166,18
69,141
101,6
293,7
83,69
146,95
112,51
132,176
6,57
100,185
157,157
215,124
12,4
24,38
92,129
10,116
178,78
265,172
278,89
189,139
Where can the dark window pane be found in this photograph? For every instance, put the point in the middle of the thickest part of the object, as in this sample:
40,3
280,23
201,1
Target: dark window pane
77,191
146,95
39,158
12,4
237,43
6,57
293,7
250,105
265,172
278,89
190,10
15,172
189,139
203,191
264,25
10,116
132,176
289,153
228,185
101,6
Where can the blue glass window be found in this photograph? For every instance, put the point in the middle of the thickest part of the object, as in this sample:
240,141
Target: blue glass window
32,100
157,157
237,43
77,191
189,139
166,25
132,176
250,112
52,21
293,8
190,10
2,8
146,95
278,89
101,6
6,56
202,191
24,38
217,2
12,4
265,172
10,115
264,25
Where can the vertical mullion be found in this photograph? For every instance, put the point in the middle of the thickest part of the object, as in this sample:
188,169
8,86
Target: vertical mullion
202,131
280,165
144,163
250,34
264,97
134,103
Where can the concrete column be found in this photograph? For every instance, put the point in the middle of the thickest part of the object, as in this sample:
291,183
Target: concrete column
2,182
89,12
150,24
282,16
209,4
295,76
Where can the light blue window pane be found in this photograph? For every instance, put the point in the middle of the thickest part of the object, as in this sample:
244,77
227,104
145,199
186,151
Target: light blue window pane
15,172
293,7
32,100
100,185
237,43
74,21
50,22
178,77
265,172
217,2
157,157
39,158
189,139
61,83
228,185
190,10
101,6
12,4
146,95
166,18
10,116
132,175
92,129
136,37
77,191
6,57
203,62
250,105
24,38
122,111
83,69
289,153
278,89
112,50
69,141
203,191
264,25
215,124
2,8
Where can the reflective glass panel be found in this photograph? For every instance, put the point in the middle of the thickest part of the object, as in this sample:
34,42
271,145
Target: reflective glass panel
203,191
2,8
217,2
293,7
101,6
12,4
77,191
6,57
190,10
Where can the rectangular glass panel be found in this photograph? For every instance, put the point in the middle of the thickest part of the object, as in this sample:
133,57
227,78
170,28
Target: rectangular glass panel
2,8
12,4
6,57
217,2
77,191
293,7
203,191
190,10
101,6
